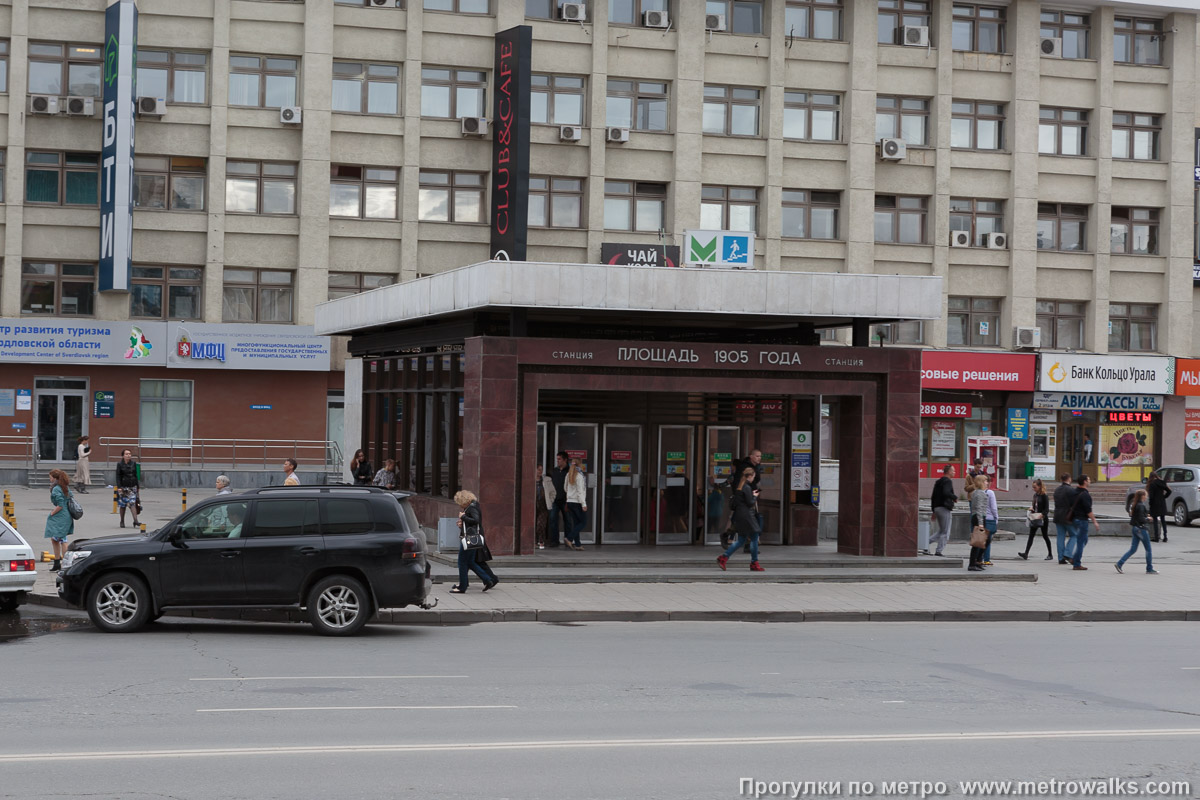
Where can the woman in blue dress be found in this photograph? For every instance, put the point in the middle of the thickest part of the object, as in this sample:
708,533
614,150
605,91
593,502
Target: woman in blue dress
59,524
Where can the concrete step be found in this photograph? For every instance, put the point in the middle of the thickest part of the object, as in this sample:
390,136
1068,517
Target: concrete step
706,562
743,575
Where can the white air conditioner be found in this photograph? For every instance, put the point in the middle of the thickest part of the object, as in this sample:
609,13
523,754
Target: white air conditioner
81,106
151,106
385,3
914,35
1024,338
290,115
996,241
573,12
473,126
656,19
892,149
714,22
570,133
43,104
616,135
1051,47
960,238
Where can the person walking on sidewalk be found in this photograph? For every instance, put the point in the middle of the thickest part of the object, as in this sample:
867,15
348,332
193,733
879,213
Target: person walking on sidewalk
83,465
1039,513
576,483
745,521
991,520
541,509
59,525
557,500
942,504
977,501
1081,514
223,485
1139,517
1157,491
290,478
470,520
1063,496
129,486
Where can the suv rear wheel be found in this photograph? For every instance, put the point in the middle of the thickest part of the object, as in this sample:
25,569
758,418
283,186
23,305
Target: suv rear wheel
338,606
1180,514
118,602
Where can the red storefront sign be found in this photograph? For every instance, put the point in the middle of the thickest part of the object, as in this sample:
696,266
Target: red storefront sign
946,410
774,406
1187,376
1014,372
580,454
621,455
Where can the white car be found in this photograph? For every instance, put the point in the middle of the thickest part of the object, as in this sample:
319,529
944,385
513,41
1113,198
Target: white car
18,569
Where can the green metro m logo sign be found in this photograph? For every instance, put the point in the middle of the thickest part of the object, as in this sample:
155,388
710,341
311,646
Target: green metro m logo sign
702,253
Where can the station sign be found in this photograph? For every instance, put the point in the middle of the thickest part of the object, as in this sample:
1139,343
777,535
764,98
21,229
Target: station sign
726,249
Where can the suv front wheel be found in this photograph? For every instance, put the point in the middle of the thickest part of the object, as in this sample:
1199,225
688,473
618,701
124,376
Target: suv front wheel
118,602
338,606
1181,514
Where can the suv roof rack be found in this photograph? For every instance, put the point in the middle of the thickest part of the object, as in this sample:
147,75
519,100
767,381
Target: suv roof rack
319,488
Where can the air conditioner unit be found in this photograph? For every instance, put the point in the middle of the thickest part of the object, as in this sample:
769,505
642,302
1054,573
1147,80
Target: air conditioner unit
386,3
43,104
714,22
656,19
290,115
960,238
996,241
892,149
914,35
81,106
1024,338
573,12
570,133
617,135
151,106
473,126
1051,47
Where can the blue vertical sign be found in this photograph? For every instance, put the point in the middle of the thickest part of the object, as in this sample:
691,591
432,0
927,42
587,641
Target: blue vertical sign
116,174
1018,423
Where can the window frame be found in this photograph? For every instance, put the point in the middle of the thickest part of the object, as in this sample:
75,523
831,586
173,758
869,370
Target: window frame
891,333
366,80
1056,28
973,17
5,47
1124,313
163,400
636,97
170,66
897,211
901,13
1058,217
457,9
260,181
63,169
452,189
358,286
974,313
791,198
1059,124
554,6
1059,312
635,196
640,7
166,282
453,84
810,8
264,71
58,278
551,192
807,102
258,286
975,213
974,116
728,101
899,113
730,14
1134,28
552,91
1126,217
169,176
66,60
728,203
364,183
1128,121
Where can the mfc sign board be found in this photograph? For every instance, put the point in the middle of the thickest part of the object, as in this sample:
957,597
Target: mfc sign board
727,249
116,173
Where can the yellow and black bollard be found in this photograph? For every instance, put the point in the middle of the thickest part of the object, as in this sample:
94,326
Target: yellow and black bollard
184,499
115,493
142,527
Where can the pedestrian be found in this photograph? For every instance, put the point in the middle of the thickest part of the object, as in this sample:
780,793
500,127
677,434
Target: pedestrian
942,502
976,469
576,483
223,485
745,520
541,508
1039,518
83,465
753,461
1063,496
1081,513
290,478
470,521
361,469
991,520
1157,491
386,477
59,525
129,485
1139,518
558,499
977,497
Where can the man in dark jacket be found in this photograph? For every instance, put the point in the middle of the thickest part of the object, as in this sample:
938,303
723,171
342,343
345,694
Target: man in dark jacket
941,502
1081,515
1062,518
558,509
1157,492
754,462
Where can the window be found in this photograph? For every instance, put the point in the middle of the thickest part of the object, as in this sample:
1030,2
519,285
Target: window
58,289
729,208
174,183
359,87
461,6
979,29
344,284
1062,132
813,19
899,333
976,126
363,192
1132,327
263,81
453,93
896,14
1061,323
3,66
1134,230
631,12
731,111
973,322
555,202
904,118
260,187
634,206
173,290
811,116
1072,28
257,295
451,196
544,9
346,516
810,215
165,410
1061,226
64,69
741,16
3,158
286,517
977,217
900,219
638,105
174,76
1135,41
1136,136
66,179
556,100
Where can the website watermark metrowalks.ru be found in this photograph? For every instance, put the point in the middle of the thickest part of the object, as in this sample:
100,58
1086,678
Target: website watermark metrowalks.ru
1096,787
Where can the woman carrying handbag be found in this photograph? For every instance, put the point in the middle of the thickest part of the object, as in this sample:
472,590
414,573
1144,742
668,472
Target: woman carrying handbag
977,496
471,544
1039,510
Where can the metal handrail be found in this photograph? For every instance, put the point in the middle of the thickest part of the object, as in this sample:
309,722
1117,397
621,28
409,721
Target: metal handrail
232,453
18,448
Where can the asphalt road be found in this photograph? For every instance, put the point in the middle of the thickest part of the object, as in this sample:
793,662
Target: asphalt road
653,710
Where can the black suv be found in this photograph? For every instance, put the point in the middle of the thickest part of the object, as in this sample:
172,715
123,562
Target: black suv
339,552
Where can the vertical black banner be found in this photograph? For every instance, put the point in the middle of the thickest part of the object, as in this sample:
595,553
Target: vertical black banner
510,143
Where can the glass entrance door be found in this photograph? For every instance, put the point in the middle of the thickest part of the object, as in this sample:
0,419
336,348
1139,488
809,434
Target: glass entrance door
60,419
721,454
622,478
579,440
672,496
769,441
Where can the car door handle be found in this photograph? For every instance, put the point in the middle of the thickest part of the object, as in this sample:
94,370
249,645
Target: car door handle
309,551
230,553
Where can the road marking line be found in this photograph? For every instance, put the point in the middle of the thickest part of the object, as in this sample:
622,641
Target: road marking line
1189,667
348,708
580,744
331,678
895,701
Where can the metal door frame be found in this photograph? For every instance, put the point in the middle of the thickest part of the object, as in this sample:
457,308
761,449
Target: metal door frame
84,394
593,512
714,537
661,538
622,537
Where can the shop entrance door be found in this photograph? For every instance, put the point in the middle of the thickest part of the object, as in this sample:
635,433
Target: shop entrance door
579,440
721,454
769,441
59,417
1077,445
622,477
672,504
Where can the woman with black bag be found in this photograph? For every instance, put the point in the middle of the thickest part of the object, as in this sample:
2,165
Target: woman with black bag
471,544
1158,491
745,521
1039,510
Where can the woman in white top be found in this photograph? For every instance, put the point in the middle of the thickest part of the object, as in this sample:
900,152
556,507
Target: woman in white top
83,470
576,484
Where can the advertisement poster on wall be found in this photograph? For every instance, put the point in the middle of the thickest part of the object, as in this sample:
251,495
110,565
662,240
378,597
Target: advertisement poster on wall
943,439
1191,436
1126,452
801,475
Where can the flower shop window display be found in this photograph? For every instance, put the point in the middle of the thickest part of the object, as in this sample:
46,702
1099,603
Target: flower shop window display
1126,452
